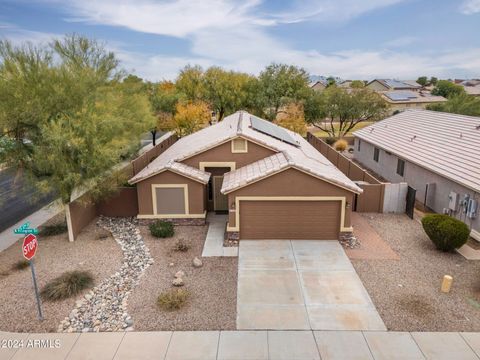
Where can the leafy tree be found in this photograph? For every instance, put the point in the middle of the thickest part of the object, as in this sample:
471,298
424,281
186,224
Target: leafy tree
460,104
292,118
336,111
433,81
71,120
447,89
190,82
357,84
422,80
331,81
164,98
278,85
191,116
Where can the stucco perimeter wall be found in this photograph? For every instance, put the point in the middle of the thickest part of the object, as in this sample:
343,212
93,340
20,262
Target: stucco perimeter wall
291,182
82,212
123,203
196,192
223,153
417,177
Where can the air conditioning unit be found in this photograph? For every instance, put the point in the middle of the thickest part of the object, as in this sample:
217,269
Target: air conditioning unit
453,201
446,211
472,209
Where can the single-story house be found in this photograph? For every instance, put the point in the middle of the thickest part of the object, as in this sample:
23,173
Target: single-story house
391,84
318,85
436,153
270,181
400,100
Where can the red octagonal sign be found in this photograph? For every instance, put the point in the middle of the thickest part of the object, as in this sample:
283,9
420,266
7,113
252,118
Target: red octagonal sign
29,246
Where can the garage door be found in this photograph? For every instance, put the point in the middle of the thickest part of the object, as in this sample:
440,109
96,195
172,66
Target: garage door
290,220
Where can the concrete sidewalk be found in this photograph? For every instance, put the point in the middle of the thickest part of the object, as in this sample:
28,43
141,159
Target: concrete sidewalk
241,345
214,241
7,237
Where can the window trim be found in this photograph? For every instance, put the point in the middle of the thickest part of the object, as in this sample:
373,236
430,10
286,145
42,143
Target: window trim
242,151
170,186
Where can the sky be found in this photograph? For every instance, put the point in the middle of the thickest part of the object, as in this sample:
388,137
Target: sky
352,39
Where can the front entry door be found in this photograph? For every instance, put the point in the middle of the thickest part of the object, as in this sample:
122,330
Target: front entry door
220,202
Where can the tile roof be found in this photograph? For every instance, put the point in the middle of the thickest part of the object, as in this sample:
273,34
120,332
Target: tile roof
304,156
447,144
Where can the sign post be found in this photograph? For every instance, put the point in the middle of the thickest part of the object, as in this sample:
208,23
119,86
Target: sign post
29,248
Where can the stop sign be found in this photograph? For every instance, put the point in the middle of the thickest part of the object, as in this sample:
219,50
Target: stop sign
29,246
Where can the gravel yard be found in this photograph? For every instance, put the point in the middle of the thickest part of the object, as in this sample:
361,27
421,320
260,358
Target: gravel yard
55,255
406,292
213,287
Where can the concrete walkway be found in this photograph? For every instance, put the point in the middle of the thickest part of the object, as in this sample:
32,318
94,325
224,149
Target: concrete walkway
216,233
7,237
301,285
242,345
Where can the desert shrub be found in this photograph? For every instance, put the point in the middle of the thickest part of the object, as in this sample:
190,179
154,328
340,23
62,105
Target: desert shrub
173,299
181,245
162,229
66,285
446,233
330,140
52,230
21,265
340,145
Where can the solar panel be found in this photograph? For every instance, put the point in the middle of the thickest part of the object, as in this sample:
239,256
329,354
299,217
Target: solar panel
272,130
396,84
401,95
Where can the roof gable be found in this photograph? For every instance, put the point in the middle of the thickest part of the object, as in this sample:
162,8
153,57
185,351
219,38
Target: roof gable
301,155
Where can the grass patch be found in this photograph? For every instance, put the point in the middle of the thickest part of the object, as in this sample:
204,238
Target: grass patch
67,285
52,230
173,299
181,246
21,265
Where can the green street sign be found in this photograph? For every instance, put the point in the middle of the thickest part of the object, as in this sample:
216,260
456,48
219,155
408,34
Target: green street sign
24,229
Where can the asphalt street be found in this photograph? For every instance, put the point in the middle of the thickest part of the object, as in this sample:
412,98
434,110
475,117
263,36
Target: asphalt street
17,199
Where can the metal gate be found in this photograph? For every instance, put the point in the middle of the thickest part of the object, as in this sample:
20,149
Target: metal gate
410,206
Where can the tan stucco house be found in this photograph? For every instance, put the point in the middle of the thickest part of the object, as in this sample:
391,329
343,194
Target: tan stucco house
270,181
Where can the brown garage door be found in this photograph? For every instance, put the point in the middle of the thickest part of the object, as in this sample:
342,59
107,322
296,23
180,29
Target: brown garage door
290,220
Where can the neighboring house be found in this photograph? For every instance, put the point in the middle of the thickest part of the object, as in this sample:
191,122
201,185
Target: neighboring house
319,85
270,181
381,85
436,153
471,87
400,100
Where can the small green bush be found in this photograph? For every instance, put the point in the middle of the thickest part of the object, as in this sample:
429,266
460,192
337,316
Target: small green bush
21,265
162,229
173,299
52,230
66,285
330,140
446,233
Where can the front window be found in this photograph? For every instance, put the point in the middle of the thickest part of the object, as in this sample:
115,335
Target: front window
376,154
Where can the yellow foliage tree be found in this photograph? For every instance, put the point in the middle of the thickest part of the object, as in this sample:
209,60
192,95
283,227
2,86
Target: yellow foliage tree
191,116
292,118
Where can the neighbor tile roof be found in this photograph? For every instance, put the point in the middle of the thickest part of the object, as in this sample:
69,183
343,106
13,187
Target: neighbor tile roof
447,144
396,84
304,156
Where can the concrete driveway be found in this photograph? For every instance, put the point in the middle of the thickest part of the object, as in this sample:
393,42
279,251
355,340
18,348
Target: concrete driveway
301,284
